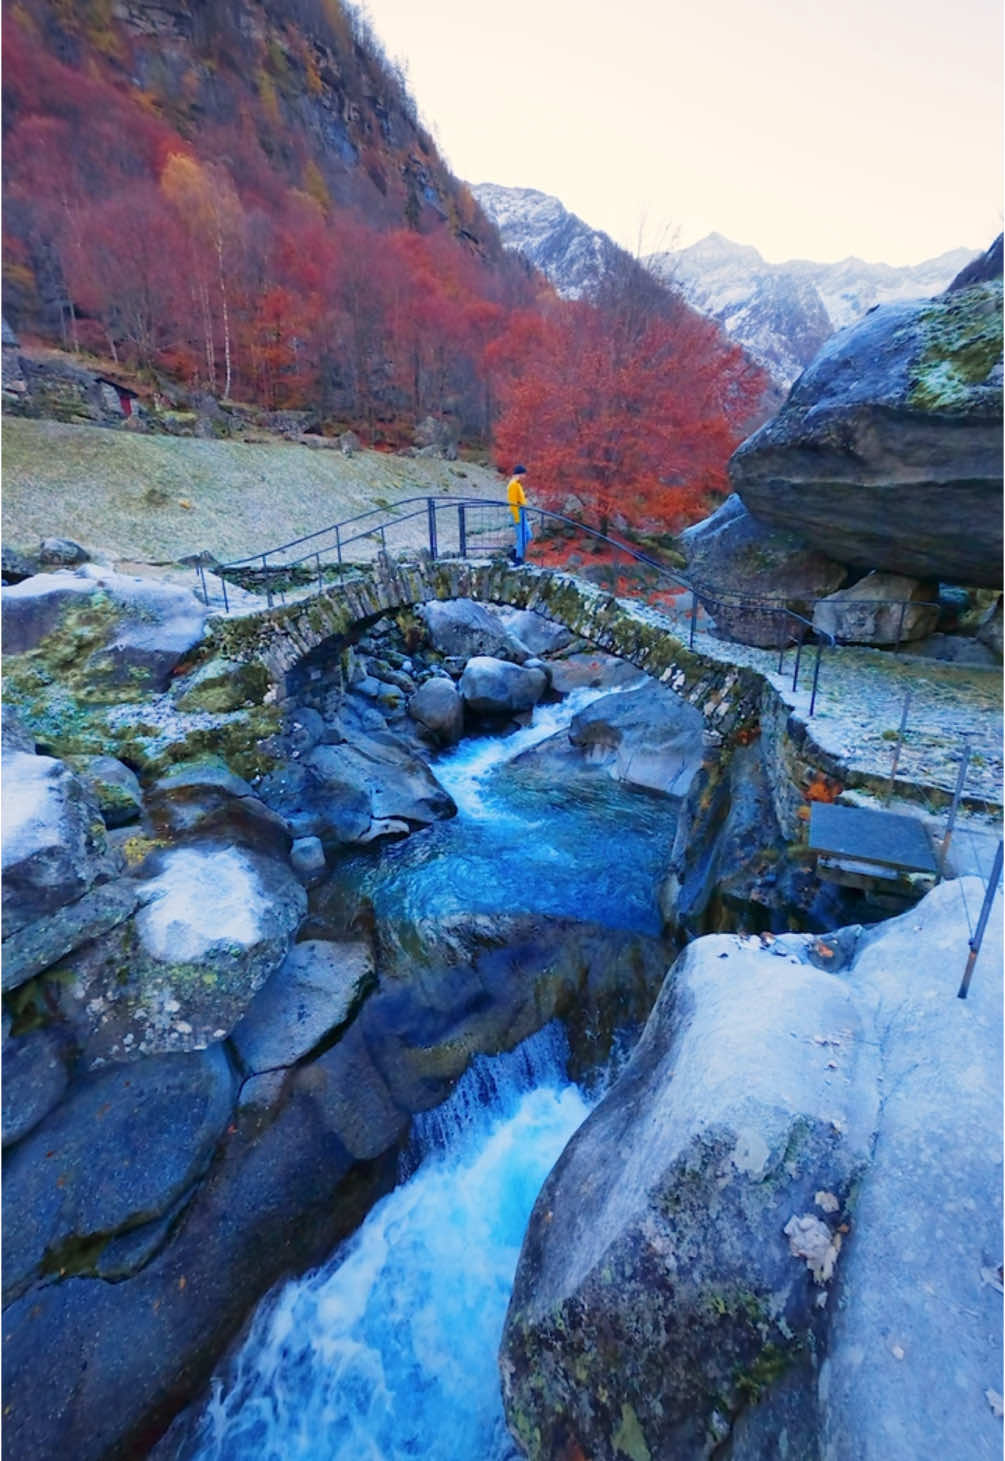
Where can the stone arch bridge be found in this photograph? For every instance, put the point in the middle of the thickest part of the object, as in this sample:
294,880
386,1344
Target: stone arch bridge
282,637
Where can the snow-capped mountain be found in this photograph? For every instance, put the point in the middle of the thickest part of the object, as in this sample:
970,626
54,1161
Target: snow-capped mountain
783,313
572,255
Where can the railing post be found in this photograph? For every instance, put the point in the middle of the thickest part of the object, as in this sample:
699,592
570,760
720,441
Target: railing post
431,514
896,749
317,560
226,601
799,655
954,807
201,571
900,626
462,531
268,585
982,923
694,615
816,677
338,544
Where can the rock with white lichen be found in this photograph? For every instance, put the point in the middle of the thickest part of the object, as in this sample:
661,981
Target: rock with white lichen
791,1196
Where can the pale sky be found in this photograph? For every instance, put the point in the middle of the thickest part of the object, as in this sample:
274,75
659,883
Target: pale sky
810,130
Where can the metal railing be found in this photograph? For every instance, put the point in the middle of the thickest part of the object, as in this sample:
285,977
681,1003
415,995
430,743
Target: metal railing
452,527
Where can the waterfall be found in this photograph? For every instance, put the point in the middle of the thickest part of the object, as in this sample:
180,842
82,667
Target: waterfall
388,1352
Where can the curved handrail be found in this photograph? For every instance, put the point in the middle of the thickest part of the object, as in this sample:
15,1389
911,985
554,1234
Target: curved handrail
430,506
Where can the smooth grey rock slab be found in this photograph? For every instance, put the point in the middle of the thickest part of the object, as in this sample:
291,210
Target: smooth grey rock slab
538,634
117,1153
647,737
34,1079
41,944
311,993
53,838
307,859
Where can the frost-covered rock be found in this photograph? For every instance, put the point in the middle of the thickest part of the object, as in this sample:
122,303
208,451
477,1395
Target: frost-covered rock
887,453
53,838
792,1165
102,628
213,924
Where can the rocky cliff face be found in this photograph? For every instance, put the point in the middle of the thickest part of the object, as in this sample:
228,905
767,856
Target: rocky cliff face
574,256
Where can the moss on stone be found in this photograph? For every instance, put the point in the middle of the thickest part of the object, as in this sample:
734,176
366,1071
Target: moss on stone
961,341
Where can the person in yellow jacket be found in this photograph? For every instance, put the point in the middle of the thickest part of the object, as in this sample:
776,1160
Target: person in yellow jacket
517,504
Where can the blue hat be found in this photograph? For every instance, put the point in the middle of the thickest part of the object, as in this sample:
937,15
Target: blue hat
518,470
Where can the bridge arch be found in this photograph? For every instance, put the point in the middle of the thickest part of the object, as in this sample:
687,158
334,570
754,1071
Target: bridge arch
280,638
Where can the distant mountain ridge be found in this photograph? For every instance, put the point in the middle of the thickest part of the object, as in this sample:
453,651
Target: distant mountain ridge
784,312
780,313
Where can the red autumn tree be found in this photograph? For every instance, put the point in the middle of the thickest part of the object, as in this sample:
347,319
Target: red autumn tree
632,404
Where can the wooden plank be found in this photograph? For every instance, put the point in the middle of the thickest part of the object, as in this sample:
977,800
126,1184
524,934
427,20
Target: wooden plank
884,838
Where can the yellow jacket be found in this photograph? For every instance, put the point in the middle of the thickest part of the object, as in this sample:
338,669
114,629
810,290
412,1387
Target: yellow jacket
515,497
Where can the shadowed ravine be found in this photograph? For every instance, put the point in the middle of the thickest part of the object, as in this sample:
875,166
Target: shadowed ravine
389,1350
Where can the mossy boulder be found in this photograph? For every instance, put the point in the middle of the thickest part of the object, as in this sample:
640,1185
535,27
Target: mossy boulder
213,924
887,453
221,685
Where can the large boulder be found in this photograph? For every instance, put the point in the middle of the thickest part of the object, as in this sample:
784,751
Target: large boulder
213,924
733,560
460,628
383,780
115,1155
34,1079
497,688
438,706
103,630
647,737
53,838
540,635
764,1204
203,799
887,453
882,608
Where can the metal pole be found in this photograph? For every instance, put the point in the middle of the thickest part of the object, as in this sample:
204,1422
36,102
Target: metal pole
431,513
268,585
951,822
982,923
782,642
816,677
338,544
462,531
694,615
200,570
799,655
317,560
226,601
900,626
896,749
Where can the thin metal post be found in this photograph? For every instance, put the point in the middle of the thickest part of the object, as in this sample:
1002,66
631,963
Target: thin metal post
694,615
782,645
431,514
338,544
462,531
268,584
317,560
900,626
816,678
951,821
896,749
982,923
799,655
200,570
